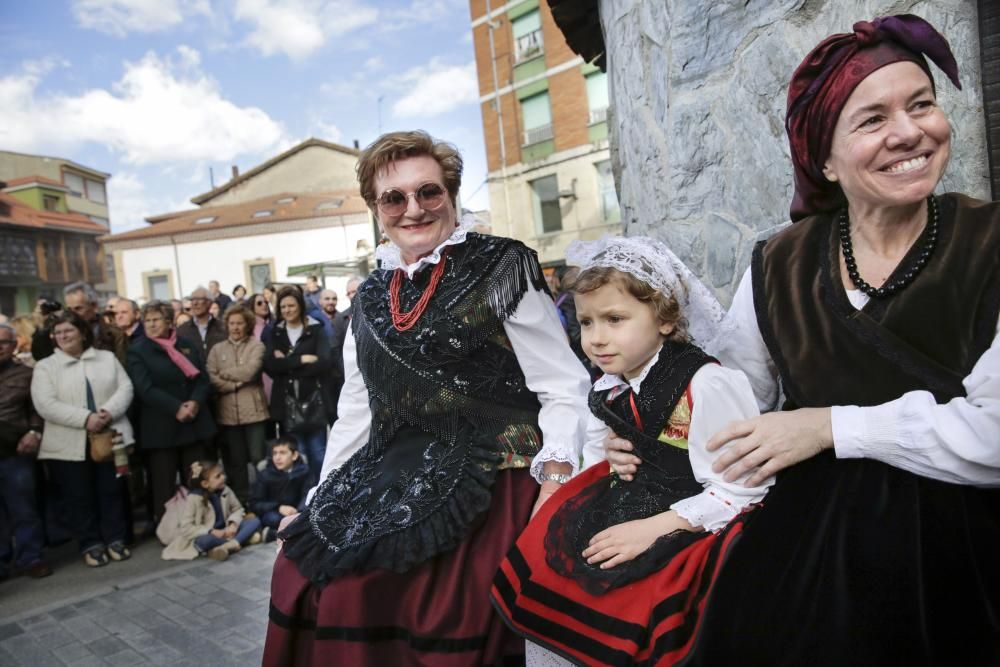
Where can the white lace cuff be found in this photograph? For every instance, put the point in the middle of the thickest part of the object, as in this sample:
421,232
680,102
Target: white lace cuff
561,454
711,509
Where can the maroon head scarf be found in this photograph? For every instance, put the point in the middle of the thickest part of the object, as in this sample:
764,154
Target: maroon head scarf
827,77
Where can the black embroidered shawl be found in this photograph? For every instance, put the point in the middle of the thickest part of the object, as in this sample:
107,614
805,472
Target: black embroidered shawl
449,403
664,477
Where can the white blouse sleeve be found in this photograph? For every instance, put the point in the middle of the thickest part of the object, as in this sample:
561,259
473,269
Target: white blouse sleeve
719,396
593,443
553,372
354,418
953,442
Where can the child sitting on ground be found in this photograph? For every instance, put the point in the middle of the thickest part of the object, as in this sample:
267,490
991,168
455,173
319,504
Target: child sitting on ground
212,523
280,489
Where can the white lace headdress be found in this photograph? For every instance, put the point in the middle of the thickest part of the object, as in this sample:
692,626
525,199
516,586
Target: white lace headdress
653,263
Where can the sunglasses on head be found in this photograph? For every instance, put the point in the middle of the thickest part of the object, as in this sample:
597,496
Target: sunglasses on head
429,196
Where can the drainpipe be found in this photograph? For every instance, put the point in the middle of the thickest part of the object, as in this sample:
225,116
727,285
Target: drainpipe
177,268
491,25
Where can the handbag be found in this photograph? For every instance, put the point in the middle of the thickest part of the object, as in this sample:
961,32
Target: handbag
101,445
303,414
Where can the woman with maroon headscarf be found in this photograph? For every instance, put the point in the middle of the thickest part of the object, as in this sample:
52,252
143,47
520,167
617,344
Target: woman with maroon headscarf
877,311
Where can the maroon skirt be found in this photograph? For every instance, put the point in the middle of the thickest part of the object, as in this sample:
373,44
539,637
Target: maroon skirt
652,621
436,614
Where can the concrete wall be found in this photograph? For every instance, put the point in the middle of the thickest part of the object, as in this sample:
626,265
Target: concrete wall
313,169
224,259
698,95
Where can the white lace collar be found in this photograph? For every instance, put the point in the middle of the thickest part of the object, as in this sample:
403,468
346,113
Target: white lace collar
388,257
611,381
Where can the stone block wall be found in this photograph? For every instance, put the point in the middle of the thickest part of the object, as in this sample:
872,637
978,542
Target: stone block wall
698,94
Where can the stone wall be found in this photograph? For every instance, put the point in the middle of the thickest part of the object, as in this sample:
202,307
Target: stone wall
697,126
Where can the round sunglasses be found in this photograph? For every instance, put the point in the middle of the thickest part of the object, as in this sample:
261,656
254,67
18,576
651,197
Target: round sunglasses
393,202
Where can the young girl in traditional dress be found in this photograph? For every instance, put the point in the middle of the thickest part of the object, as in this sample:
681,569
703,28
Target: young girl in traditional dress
613,569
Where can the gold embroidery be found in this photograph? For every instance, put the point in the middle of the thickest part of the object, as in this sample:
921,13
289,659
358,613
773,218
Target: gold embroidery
676,431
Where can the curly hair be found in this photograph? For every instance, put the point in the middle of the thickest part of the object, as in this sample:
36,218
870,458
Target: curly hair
238,309
666,308
393,146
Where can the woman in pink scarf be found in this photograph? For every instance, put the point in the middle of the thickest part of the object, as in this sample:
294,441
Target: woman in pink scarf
171,383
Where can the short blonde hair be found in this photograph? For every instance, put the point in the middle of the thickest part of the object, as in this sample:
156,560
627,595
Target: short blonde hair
239,309
666,308
393,146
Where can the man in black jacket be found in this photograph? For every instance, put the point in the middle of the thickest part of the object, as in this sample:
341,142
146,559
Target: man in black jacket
202,327
281,487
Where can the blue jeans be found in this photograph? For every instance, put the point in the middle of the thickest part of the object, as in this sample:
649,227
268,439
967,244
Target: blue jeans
94,498
271,519
19,518
313,445
208,541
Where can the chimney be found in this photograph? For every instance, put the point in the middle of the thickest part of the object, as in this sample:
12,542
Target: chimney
356,144
236,172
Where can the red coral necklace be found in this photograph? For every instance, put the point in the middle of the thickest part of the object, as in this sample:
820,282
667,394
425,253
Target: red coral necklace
405,321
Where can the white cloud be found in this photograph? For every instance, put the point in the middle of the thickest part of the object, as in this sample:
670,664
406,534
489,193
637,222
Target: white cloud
131,203
299,28
160,111
120,17
436,88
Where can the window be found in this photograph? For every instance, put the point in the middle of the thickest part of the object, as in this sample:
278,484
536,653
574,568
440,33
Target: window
157,288
263,214
259,272
205,220
74,182
99,220
537,118
597,96
545,201
95,192
606,188
327,205
93,262
50,202
285,200
527,36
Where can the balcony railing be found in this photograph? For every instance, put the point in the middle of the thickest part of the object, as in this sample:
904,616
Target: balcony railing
598,115
528,46
537,134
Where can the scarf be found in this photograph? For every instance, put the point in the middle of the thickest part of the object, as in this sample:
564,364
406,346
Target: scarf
182,362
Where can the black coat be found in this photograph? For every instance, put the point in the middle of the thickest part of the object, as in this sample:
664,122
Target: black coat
215,333
162,387
319,375
274,488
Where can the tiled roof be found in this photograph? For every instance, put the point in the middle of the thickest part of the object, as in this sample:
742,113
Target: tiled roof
204,197
40,180
292,206
15,212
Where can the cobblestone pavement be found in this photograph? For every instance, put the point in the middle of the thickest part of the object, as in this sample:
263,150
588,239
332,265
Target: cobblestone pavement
202,613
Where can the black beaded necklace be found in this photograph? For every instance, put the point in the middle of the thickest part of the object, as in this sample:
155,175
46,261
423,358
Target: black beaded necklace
897,285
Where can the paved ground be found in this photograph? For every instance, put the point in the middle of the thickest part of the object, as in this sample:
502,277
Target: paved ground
164,613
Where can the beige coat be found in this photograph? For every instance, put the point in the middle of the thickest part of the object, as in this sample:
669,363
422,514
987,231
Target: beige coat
197,519
59,393
228,364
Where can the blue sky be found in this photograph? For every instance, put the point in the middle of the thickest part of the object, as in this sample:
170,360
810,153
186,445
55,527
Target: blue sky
158,91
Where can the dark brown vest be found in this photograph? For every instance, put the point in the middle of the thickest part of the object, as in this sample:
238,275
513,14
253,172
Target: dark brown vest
928,336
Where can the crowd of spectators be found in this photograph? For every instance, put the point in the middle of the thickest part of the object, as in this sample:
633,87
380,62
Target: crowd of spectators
111,412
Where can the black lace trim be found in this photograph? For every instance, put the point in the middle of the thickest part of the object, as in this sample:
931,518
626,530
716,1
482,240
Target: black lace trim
448,401
664,477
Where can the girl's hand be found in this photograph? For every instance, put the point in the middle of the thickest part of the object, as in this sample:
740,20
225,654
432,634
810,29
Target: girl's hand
309,358
618,451
218,532
230,531
770,443
622,543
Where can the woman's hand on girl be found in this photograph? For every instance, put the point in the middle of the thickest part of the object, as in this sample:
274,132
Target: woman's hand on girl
771,442
619,454
621,543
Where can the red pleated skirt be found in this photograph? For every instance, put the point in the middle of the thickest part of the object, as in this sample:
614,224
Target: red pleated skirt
652,621
438,614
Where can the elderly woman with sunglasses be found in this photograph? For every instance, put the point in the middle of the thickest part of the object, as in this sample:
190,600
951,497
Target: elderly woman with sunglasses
457,372
877,311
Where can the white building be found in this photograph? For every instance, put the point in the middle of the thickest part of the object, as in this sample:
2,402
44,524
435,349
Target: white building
299,208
